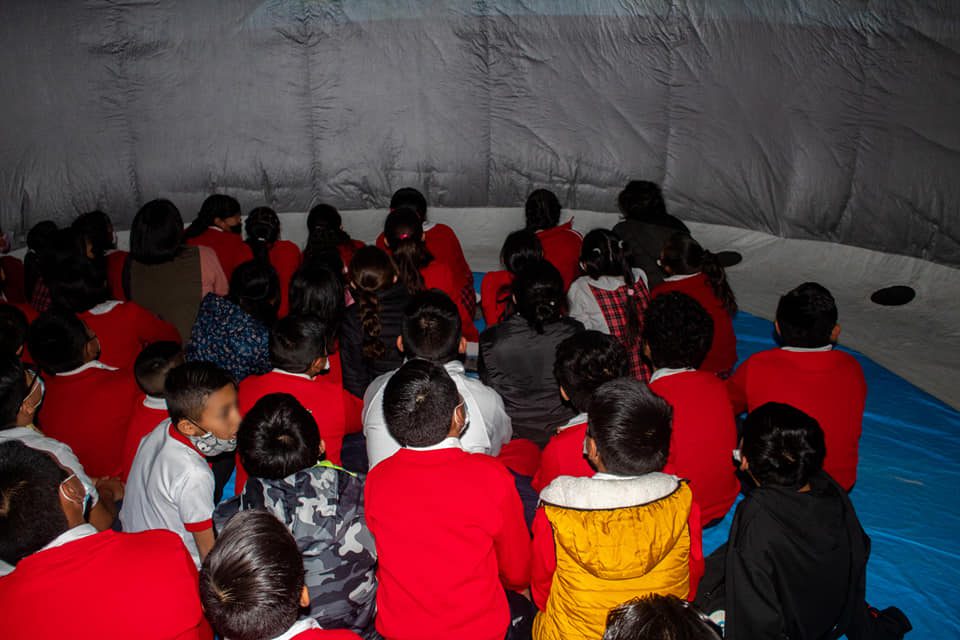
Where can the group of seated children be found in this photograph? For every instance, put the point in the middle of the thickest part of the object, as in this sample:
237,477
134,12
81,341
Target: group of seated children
293,447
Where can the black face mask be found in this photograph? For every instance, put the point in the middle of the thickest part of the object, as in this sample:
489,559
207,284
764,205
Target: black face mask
236,228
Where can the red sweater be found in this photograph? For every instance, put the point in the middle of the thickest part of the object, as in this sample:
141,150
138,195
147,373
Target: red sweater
347,249
143,420
90,411
494,289
326,634
827,385
561,247
703,439
723,351
105,585
285,258
125,330
437,275
450,536
563,456
443,244
230,248
115,263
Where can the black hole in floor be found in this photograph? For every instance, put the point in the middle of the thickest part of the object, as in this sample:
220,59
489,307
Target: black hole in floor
894,296
729,258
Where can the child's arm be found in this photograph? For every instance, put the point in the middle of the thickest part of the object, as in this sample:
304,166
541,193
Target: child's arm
544,559
753,611
737,389
512,542
195,505
204,540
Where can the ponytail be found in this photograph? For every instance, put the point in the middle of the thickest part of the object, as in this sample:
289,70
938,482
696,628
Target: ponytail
324,232
263,231
218,205
603,253
373,348
371,271
684,256
717,277
538,289
403,233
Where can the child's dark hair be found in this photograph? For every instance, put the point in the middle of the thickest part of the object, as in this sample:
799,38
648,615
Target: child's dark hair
251,581
631,426
520,249
97,229
431,327
296,342
603,254
255,288
806,316
783,445
642,200
13,329
77,284
217,206
587,360
323,231
154,363
684,255
371,272
57,340
403,232
65,250
13,389
31,517
410,198
156,234
318,291
277,438
542,210
538,290
658,617
678,331
263,230
188,386
39,238
418,404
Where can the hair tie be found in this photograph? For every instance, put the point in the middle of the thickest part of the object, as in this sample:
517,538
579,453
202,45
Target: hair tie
630,292
620,243
553,303
403,236
597,251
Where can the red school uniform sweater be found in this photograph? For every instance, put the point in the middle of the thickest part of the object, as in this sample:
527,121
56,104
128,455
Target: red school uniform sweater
89,411
827,385
148,412
443,244
723,350
116,260
450,536
494,293
230,248
437,275
561,248
124,329
285,257
105,585
703,439
348,248
563,456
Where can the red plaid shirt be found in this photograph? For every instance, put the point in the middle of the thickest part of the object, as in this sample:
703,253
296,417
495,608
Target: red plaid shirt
613,305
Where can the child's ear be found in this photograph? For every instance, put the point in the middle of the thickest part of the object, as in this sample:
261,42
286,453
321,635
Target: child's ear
187,428
563,394
835,334
462,347
323,447
319,364
646,350
776,327
304,597
400,344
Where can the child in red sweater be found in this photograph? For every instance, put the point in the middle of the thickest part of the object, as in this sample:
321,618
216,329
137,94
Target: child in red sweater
807,373
218,226
677,336
88,403
448,525
584,362
252,583
263,237
521,248
325,234
692,270
561,244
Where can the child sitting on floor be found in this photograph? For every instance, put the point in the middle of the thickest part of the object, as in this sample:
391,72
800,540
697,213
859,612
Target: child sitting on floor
321,505
655,617
561,244
627,531
806,372
448,525
520,249
252,584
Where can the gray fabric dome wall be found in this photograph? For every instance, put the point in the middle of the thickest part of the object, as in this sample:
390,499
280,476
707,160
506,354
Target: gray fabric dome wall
833,120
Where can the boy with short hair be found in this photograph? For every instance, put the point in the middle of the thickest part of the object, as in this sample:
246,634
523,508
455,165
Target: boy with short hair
252,586
584,362
170,484
448,525
87,404
627,531
677,334
808,373
320,504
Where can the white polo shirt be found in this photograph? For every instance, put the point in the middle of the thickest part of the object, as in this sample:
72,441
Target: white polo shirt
62,452
490,427
170,487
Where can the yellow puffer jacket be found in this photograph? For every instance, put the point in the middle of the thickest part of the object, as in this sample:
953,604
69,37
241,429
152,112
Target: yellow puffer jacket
616,539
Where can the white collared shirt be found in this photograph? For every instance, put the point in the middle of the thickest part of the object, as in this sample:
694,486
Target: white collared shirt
300,626
77,533
105,307
576,420
93,364
153,402
666,372
828,347
291,373
677,278
450,442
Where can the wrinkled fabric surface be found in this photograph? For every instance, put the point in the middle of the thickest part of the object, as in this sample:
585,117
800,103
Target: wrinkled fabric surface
821,119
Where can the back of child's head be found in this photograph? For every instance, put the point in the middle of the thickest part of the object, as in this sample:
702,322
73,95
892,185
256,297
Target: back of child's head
631,426
156,233
642,200
189,385
324,232
154,363
539,296
96,228
252,579
263,231
542,210
31,516
77,284
783,446
658,617
57,341
403,233
277,438
678,331
13,329
371,272
40,235
683,256
520,249
587,360
431,327
318,291
13,389
603,254
65,246
217,206
418,404
296,342
408,197
806,316
255,288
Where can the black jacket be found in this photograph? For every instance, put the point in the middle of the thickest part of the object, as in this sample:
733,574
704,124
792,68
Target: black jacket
358,371
644,241
517,363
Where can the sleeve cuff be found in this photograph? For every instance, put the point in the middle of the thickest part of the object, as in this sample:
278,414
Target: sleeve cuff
197,527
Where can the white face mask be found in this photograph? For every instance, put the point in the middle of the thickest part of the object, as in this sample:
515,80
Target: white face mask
87,498
210,445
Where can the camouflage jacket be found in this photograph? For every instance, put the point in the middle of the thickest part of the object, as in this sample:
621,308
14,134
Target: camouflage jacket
323,509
